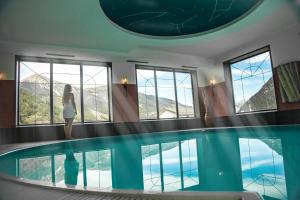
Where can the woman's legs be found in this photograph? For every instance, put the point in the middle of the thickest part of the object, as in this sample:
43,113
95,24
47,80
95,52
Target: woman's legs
68,128
70,124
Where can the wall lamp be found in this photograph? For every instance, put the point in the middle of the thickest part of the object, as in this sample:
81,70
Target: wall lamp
2,76
124,83
212,84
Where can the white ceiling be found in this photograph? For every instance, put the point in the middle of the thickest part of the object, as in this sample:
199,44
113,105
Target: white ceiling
276,22
80,27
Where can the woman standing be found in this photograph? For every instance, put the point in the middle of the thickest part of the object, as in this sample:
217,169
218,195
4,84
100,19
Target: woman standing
69,110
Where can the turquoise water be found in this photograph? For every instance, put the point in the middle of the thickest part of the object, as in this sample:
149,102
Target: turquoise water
259,159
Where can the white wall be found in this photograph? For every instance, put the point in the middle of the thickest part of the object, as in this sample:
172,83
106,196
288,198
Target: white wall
7,65
285,47
120,67
206,68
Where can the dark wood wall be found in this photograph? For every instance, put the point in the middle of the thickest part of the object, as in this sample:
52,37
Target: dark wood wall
125,103
7,103
214,100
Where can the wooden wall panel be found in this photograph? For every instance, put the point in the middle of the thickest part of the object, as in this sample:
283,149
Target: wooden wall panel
125,103
214,100
7,103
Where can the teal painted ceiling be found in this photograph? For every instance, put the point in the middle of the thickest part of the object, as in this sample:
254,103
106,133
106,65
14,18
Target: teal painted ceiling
175,17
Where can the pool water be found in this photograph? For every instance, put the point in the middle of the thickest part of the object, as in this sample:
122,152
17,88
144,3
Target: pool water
260,159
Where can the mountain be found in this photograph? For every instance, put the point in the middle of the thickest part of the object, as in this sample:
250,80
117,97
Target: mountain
35,94
264,99
167,107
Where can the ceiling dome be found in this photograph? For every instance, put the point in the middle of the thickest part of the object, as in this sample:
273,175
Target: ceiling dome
175,17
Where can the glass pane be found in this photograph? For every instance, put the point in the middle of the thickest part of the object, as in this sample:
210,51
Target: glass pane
263,167
184,94
253,84
151,167
189,163
65,74
95,93
99,174
38,168
166,94
34,93
146,93
171,166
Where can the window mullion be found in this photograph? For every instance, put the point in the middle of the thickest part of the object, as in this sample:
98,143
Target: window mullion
51,94
176,98
193,93
81,94
156,94
108,71
18,72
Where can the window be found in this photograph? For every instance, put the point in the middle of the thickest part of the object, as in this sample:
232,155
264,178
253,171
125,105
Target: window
34,93
164,93
252,82
95,93
65,74
146,94
185,94
40,89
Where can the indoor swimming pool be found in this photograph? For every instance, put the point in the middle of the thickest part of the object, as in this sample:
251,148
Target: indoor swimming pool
257,159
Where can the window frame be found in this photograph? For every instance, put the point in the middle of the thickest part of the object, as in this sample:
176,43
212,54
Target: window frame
167,69
229,83
52,61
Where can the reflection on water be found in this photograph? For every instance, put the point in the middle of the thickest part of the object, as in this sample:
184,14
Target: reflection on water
262,160
71,169
36,168
263,167
177,161
98,169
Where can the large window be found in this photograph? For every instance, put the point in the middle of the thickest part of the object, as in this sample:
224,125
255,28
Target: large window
252,81
95,92
40,89
34,93
164,93
65,74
